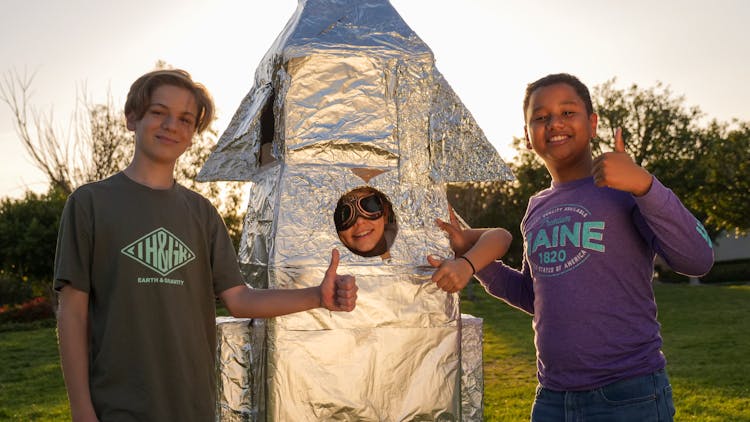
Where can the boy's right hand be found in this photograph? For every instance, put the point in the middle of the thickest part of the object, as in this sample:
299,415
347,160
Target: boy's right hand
459,241
337,292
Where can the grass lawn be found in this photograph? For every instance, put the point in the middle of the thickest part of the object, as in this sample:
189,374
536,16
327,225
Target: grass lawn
31,384
706,332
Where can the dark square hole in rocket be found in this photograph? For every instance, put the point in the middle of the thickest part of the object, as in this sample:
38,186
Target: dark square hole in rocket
365,222
267,130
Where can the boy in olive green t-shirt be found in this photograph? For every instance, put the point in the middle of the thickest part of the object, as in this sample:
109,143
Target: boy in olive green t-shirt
139,262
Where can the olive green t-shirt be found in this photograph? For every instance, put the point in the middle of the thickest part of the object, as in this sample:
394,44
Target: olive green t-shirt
152,262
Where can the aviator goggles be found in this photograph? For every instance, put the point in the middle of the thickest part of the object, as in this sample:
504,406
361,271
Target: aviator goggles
348,210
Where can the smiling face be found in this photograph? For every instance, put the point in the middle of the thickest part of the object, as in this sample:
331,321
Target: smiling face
558,128
365,236
167,127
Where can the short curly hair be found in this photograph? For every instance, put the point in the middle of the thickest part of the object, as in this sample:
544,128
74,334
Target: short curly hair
559,78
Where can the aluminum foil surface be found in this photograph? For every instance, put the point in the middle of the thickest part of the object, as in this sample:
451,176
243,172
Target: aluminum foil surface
237,336
233,360
472,376
349,96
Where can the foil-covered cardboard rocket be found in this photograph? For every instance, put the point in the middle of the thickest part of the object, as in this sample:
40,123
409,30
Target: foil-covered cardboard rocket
348,95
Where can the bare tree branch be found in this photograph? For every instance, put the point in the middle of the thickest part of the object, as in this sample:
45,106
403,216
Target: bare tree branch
42,143
102,145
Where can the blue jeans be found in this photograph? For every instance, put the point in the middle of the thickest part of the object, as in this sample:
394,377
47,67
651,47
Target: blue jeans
643,399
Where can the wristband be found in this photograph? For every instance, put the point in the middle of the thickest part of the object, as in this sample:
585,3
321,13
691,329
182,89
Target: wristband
473,270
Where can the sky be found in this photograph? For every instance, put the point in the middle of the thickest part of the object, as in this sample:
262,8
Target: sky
488,50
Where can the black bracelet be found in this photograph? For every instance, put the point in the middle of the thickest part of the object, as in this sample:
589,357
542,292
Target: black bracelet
473,270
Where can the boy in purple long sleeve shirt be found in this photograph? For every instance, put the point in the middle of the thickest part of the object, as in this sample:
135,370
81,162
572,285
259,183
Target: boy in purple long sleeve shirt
590,241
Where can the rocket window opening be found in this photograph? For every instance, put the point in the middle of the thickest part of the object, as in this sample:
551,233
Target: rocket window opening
267,130
365,222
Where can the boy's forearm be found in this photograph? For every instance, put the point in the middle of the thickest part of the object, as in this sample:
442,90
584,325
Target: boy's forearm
512,286
465,239
679,238
73,332
244,302
473,235
491,244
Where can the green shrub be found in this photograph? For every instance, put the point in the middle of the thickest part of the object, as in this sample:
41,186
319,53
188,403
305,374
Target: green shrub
736,271
38,308
666,275
14,291
28,235
728,271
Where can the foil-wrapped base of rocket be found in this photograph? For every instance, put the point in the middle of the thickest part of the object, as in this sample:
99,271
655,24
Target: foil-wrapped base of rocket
238,383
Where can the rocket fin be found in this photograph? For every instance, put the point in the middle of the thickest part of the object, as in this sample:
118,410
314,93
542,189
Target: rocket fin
460,151
237,154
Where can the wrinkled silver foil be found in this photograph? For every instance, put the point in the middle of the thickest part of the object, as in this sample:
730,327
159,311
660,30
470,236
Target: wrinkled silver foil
472,376
236,345
234,370
349,86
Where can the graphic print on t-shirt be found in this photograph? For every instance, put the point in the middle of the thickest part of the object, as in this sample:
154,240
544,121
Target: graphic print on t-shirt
160,251
561,239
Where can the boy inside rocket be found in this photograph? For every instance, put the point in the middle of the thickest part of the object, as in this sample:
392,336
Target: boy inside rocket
365,222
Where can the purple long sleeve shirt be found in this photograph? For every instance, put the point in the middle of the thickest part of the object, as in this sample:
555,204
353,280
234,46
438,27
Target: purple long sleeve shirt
587,279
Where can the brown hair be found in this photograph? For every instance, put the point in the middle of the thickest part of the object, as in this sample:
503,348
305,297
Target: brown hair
139,96
387,207
559,78
390,228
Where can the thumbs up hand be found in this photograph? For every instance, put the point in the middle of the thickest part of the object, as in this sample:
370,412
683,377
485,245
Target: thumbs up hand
337,292
617,170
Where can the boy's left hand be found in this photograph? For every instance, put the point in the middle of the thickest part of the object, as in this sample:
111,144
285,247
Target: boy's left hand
459,242
452,275
337,292
617,170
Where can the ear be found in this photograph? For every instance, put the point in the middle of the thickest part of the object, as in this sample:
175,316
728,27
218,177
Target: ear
526,136
131,120
593,122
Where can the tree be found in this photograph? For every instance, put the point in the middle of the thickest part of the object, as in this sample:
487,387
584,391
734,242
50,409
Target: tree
723,165
36,131
503,204
227,197
707,167
102,145
28,236
108,141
